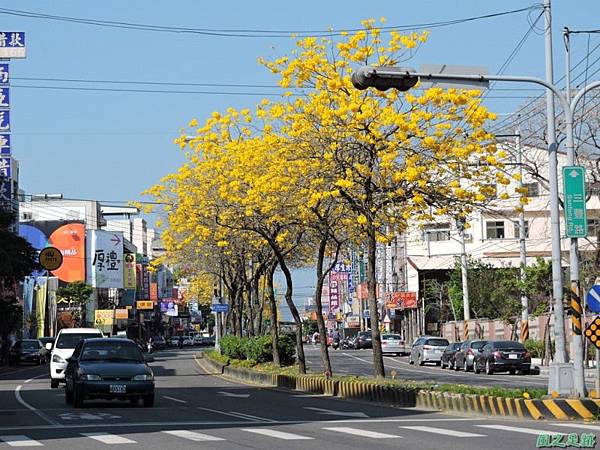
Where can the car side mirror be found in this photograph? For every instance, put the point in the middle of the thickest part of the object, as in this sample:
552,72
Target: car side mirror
48,345
148,358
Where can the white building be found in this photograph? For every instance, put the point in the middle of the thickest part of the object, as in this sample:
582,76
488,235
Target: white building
50,207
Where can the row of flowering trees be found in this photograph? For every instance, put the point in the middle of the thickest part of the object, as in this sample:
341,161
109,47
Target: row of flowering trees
297,181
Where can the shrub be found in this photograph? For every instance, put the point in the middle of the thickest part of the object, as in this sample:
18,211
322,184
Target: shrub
259,349
535,347
233,347
287,350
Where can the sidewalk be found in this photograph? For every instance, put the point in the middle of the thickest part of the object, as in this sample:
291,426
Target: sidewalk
544,370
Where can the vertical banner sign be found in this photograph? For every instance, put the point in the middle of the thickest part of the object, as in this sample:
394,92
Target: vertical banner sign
12,44
5,144
153,291
4,120
4,73
575,212
5,169
334,292
129,281
105,259
4,97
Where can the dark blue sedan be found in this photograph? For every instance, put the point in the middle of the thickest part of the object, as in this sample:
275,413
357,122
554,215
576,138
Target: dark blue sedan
108,369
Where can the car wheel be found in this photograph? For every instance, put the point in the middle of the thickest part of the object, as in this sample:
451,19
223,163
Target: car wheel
149,401
466,366
420,360
77,398
488,368
134,401
511,371
53,383
443,366
438,363
525,371
476,368
410,360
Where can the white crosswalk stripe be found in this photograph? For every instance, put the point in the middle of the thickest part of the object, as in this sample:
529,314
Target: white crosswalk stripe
517,429
277,434
584,426
363,433
193,436
107,438
444,431
20,441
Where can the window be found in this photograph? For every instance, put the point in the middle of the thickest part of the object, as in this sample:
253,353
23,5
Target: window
593,227
435,232
533,189
494,229
517,229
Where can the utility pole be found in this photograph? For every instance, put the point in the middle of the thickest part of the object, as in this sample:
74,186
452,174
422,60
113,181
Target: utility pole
522,247
560,357
465,279
575,299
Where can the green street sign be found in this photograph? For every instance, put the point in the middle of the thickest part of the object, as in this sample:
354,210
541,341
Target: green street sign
575,213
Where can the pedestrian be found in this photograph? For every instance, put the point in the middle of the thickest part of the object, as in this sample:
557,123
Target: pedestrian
315,337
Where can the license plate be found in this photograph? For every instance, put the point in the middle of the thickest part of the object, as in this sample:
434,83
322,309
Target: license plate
513,356
117,389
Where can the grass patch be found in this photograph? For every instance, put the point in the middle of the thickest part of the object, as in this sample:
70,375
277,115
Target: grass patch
269,367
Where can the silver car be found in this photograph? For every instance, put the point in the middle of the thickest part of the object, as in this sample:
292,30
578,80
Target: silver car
392,343
427,349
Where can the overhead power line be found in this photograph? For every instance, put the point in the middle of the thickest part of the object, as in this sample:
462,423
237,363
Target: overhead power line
251,33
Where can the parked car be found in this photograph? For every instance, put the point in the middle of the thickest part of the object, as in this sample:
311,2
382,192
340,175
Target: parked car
174,341
466,355
363,339
448,357
66,341
109,369
47,340
392,343
27,351
427,349
160,343
188,341
503,356
208,340
198,339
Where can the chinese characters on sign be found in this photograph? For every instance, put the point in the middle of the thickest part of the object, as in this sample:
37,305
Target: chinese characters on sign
4,144
106,259
334,292
4,120
5,171
575,209
12,44
4,98
4,73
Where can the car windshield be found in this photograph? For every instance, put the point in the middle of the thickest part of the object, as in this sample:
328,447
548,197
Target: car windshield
70,340
509,345
391,337
478,344
456,346
438,342
111,351
30,345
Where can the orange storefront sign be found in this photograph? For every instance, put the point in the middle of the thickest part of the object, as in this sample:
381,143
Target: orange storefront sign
70,240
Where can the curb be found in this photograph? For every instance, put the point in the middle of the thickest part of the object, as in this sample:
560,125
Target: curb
466,404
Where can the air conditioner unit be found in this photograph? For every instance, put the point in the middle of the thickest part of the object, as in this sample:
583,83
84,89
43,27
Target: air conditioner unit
25,216
468,237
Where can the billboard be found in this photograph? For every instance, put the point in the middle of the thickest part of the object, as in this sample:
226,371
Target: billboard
68,237
105,261
334,291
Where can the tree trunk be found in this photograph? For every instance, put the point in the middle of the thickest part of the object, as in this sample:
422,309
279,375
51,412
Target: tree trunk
378,368
320,321
290,302
273,307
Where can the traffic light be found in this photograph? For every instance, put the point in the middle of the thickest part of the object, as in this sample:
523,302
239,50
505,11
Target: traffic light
384,78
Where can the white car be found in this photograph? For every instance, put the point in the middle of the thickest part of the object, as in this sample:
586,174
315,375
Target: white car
65,343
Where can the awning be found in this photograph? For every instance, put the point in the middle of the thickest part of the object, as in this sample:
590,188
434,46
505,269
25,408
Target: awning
432,262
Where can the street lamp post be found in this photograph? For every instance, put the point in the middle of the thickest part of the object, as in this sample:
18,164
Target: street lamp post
403,79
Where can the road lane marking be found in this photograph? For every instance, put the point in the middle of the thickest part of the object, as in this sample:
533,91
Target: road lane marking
193,436
331,412
277,434
443,431
34,378
173,399
40,414
231,394
107,438
517,429
250,416
578,425
363,433
19,440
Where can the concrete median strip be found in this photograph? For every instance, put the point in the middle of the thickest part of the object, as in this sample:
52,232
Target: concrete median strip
465,404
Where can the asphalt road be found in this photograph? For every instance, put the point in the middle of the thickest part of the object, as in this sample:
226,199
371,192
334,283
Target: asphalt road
360,362
199,410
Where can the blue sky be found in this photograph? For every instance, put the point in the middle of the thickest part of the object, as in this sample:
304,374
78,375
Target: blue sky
113,145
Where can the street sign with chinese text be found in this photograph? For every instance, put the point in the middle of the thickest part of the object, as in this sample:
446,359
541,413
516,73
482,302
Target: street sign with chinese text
105,260
12,44
4,120
104,317
144,304
4,97
219,308
5,144
5,170
574,191
4,73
